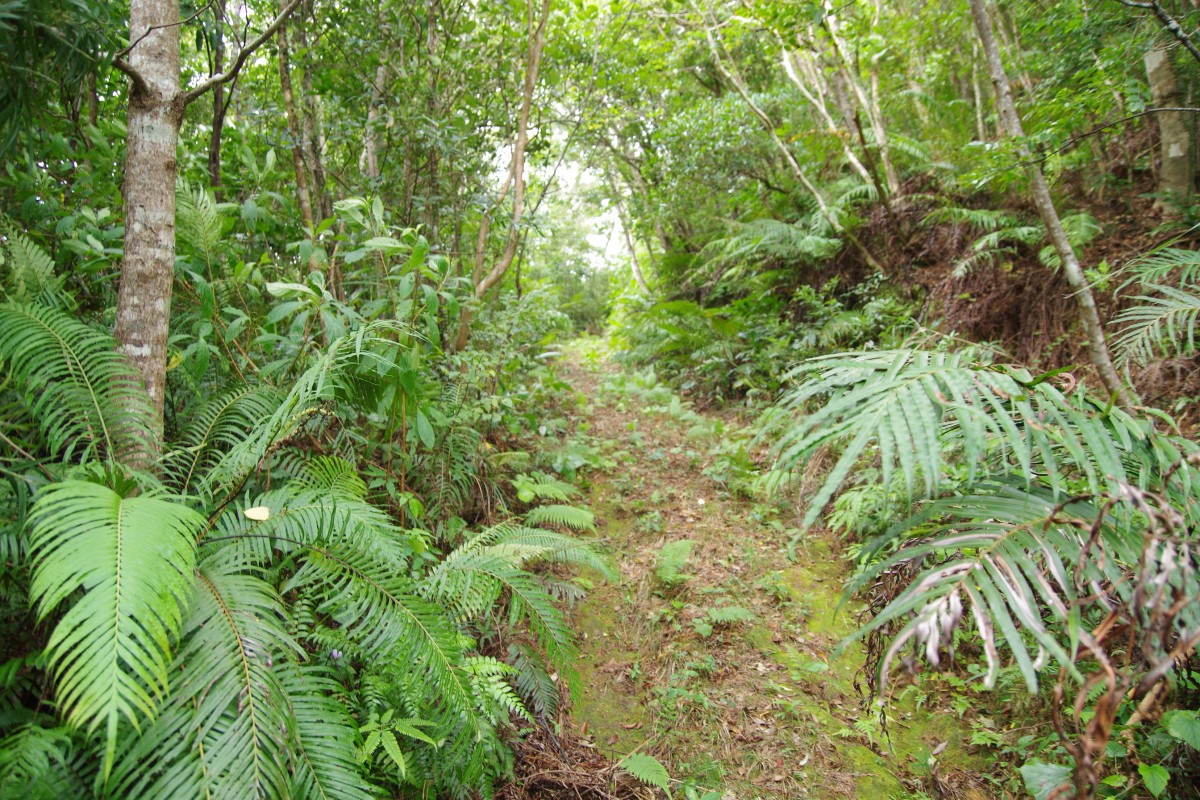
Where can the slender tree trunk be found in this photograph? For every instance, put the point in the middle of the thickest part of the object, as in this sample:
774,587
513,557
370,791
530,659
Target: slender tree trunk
819,106
219,101
295,132
797,171
1089,317
314,125
154,116
516,175
1175,141
369,163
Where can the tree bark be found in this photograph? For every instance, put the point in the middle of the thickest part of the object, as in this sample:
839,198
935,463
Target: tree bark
295,132
1175,141
219,102
1089,317
155,113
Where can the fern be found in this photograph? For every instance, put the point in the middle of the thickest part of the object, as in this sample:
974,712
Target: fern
669,563
215,428
84,397
566,516
647,769
919,411
1163,324
109,653
29,268
227,718
1025,567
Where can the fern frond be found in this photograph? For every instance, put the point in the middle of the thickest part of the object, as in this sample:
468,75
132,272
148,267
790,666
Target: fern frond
1163,324
534,681
134,558
29,268
224,732
214,428
919,410
1168,265
332,375
669,563
566,516
42,763
84,397
325,763
1022,566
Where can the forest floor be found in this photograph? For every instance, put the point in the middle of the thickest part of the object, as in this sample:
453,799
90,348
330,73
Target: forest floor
729,672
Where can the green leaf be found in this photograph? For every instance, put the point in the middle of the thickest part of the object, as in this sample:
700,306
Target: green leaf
1184,726
1041,779
1155,777
134,559
425,430
647,769
394,752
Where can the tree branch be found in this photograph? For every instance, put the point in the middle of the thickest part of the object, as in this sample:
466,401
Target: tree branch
1168,22
245,53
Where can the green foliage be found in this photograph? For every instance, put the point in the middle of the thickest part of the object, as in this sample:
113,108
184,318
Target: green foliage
670,561
109,653
648,770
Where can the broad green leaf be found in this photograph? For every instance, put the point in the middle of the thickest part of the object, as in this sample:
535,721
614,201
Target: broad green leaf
1041,779
1155,777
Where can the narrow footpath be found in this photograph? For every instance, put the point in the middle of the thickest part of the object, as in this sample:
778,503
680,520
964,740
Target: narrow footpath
714,652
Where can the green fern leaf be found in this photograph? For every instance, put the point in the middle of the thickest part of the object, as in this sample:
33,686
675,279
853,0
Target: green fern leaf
566,516
133,557
647,769
85,398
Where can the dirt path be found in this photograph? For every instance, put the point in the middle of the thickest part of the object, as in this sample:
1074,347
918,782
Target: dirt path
727,672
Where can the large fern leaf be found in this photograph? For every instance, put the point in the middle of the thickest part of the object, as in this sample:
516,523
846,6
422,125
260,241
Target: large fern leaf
920,411
1164,324
84,396
224,732
133,560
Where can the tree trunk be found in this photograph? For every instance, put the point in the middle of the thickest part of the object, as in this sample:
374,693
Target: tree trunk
219,102
295,133
731,74
148,268
1089,317
156,106
516,178
369,163
1175,141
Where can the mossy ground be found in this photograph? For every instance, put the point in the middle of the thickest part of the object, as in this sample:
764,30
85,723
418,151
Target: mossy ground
762,706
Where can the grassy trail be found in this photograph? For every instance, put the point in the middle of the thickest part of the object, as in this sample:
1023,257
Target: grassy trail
727,672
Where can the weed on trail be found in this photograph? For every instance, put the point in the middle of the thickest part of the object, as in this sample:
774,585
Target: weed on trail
714,652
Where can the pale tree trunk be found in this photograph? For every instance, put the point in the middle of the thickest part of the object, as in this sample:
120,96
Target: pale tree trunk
626,228
734,77
868,104
295,132
1175,141
1089,317
516,178
156,106
818,104
369,163
219,101
148,269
